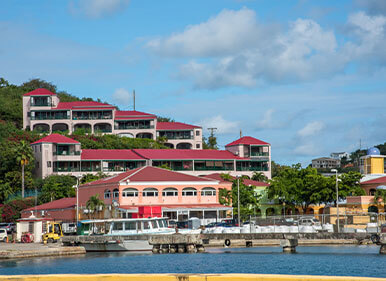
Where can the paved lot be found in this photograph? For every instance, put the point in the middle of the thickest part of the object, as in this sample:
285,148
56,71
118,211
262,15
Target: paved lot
26,246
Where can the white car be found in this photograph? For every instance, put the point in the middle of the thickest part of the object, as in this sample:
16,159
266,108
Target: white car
3,235
309,221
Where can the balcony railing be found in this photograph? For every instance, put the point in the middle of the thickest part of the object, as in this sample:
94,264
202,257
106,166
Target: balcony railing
133,127
253,153
66,153
49,117
103,130
66,169
259,169
213,168
178,137
41,104
91,117
91,169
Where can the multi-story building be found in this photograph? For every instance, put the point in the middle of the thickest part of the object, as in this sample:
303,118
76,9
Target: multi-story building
325,163
340,155
57,154
43,112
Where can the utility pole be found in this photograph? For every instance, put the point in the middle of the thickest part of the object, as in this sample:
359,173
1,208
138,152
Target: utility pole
241,134
134,99
212,131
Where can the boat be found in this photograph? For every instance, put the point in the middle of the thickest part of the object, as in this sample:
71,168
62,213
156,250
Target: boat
120,234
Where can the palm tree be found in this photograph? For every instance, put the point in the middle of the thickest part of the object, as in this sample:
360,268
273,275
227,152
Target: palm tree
259,176
94,204
24,155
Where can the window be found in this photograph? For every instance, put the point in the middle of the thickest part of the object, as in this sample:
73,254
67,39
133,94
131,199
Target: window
130,225
197,145
146,225
116,193
150,192
130,192
208,191
197,133
189,191
118,226
48,164
107,194
169,192
37,164
154,224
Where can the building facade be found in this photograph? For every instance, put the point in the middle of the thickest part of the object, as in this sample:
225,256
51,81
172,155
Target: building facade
325,163
43,112
57,154
179,196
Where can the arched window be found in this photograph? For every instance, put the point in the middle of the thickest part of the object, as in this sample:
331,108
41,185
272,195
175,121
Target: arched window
130,192
372,192
150,192
208,191
189,191
107,194
116,193
170,191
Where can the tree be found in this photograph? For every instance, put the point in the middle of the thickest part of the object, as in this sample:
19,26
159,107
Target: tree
225,196
94,204
37,83
91,177
164,119
57,187
24,155
380,194
259,176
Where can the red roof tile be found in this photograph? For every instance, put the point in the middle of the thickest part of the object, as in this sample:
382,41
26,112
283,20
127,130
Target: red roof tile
40,92
175,126
63,203
133,115
110,154
83,105
56,138
380,180
248,141
186,154
148,174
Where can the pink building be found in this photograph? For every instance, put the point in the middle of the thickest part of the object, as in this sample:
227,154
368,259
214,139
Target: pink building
44,112
57,154
180,196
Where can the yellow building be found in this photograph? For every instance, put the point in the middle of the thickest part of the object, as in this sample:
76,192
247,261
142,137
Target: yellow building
373,163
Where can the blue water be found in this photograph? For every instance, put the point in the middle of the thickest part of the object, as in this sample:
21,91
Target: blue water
315,260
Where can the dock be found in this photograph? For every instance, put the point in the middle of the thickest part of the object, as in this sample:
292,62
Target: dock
31,250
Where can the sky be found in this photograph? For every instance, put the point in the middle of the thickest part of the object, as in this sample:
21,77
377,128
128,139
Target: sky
306,76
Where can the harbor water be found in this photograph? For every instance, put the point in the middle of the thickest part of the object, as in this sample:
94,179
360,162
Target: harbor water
315,260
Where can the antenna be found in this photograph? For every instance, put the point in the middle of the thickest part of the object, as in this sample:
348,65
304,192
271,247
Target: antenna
134,99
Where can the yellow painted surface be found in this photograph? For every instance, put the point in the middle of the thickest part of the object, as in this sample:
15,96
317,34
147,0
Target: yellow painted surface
179,277
377,165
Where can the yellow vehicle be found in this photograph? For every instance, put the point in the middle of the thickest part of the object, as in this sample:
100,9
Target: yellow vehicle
54,232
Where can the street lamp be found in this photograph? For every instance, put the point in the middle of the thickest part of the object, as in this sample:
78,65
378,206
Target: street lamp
238,199
77,199
337,196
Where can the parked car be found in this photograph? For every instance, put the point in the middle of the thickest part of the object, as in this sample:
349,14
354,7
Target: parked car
230,222
3,235
214,224
308,221
9,226
69,228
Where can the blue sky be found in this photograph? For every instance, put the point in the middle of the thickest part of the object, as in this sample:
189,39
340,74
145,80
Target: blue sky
306,76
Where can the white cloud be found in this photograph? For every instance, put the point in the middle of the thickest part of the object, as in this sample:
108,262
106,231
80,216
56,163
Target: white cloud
311,129
307,149
223,126
234,49
220,35
122,97
98,8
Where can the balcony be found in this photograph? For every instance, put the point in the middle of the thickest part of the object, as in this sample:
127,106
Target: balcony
91,117
66,153
90,169
41,104
256,153
205,168
258,169
49,117
123,127
66,169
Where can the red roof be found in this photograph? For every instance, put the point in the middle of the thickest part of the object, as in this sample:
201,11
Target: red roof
148,174
56,138
40,92
380,180
83,105
110,154
175,126
186,154
133,115
248,141
217,176
63,203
